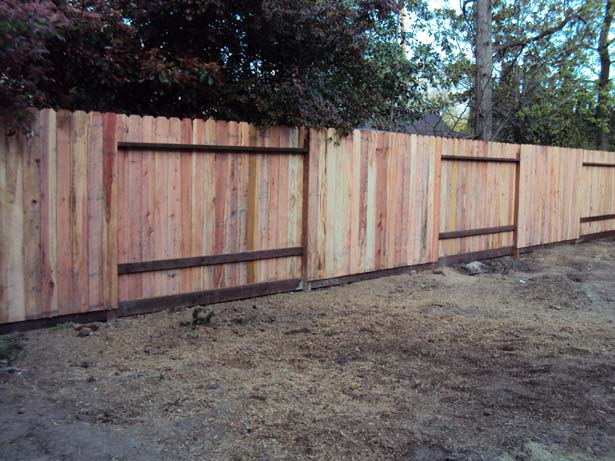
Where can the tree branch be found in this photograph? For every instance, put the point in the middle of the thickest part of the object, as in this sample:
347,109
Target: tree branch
545,33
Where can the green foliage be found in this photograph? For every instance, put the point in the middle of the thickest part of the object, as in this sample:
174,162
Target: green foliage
544,76
10,347
302,62
308,62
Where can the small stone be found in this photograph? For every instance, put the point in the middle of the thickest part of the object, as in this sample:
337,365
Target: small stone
85,331
88,364
239,320
201,315
474,268
438,272
557,308
213,386
147,349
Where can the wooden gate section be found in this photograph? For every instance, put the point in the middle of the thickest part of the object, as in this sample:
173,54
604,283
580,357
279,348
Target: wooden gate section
207,211
479,185
598,195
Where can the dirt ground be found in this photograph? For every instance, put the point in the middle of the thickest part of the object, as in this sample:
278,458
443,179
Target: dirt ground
517,363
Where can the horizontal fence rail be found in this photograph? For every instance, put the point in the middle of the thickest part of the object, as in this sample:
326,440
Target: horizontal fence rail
604,165
110,214
598,218
465,158
210,148
473,232
198,261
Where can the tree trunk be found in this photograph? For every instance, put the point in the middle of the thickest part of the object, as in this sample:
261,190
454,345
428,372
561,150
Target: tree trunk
483,85
602,112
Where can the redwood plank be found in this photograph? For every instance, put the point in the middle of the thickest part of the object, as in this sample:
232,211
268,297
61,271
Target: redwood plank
231,240
32,221
12,255
148,191
186,165
382,153
63,212
79,211
110,278
221,177
95,211
48,213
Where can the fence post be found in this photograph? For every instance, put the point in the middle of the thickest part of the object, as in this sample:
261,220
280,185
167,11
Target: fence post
436,203
305,206
516,195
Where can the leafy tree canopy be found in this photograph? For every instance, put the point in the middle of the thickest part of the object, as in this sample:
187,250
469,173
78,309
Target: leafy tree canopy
544,72
297,62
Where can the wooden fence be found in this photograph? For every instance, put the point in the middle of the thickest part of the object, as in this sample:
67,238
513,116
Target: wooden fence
124,214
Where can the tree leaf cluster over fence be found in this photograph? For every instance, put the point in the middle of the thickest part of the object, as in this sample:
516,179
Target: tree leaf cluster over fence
296,62
539,71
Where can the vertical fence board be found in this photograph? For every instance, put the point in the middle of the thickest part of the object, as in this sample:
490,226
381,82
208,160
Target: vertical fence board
63,181
31,220
110,230
78,211
95,211
49,298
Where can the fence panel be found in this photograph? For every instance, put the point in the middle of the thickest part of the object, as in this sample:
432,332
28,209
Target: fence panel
597,198
372,202
478,197
56,217
191,204
549,195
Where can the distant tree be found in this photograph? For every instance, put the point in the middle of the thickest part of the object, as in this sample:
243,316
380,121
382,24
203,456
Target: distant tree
544,57
604,99
406,67
482,108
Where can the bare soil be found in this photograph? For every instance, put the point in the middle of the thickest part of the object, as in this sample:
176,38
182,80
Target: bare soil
517,363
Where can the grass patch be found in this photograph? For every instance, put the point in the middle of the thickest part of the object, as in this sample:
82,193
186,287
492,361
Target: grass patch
10,347
62,326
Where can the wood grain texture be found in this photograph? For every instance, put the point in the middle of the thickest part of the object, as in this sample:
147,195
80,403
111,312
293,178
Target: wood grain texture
53,215
549,195
597,192
32,195
13,296
206,204
371,194
476,195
